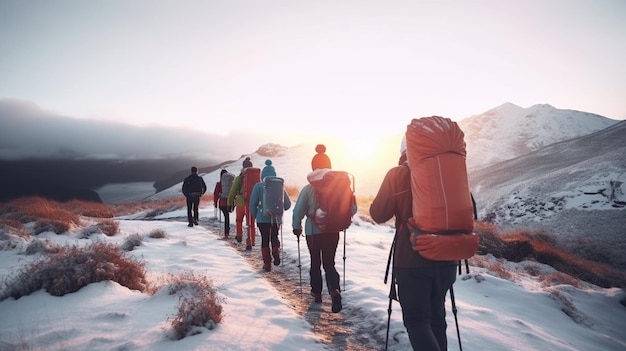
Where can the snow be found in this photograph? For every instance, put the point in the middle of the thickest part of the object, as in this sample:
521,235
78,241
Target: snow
493,313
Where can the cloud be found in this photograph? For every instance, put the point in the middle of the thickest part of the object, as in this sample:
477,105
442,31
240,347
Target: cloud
27,131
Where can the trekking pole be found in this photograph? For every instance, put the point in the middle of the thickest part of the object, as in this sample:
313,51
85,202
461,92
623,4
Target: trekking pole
392,296
344,260
456,320
299,266
392,290
219,213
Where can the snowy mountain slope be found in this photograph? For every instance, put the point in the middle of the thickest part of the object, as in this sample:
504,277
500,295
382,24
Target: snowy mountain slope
585,173
509,131
574,188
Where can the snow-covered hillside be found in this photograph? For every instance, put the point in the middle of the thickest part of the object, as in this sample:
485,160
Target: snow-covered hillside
509,131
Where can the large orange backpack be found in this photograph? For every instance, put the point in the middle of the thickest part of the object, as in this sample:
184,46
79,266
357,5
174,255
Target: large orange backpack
251,176
443,210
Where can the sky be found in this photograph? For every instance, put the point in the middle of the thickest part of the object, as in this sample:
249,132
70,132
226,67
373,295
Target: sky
524,313
295,70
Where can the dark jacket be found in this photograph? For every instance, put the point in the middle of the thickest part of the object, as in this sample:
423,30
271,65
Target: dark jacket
394,198
189,183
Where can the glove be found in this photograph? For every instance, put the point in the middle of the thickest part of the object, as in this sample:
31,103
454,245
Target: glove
230,208
297,232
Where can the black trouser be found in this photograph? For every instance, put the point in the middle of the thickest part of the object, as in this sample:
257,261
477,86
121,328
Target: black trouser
422,293
323,248
269,233
192,206
224,210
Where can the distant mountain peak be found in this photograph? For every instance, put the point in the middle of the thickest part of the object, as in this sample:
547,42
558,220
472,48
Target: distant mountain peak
509,131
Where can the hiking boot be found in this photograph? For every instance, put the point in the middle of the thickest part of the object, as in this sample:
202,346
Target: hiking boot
276,255
336,296
267,259
195,222
190,225
239,239
248,248
317,297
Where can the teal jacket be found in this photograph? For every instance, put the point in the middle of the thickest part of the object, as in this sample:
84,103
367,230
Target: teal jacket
256,205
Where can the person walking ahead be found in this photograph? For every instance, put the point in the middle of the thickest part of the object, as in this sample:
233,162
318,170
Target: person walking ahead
193,188
422,284
322,246
268,226
221,201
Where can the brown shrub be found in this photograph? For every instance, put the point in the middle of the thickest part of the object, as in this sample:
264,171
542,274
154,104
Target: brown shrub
33,208
199,306
109,227
89,209
50,225
13,227
157,234
542,247
131,242
70,268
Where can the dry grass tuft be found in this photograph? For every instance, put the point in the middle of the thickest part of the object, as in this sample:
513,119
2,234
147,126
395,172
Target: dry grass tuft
542,247
157,234
67,269
199,305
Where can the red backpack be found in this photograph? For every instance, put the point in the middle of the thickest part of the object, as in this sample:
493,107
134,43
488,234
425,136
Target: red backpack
443,211
251,176
336,203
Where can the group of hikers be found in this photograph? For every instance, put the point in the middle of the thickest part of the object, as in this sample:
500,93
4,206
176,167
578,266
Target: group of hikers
422,280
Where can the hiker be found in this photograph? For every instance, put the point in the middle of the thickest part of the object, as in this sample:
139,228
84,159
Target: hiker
268,225
320,160
237,203
322,246
193,188
422,284
221,201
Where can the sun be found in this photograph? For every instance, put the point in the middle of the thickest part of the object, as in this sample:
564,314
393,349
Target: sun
361,149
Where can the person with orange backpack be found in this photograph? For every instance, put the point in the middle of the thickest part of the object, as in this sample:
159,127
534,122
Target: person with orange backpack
423,269
238,199
422,284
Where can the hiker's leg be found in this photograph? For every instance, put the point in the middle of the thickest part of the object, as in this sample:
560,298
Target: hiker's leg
313,243
240,212
196,211
329,250
444,278
264,228
189,210
414,293
275,243
226,219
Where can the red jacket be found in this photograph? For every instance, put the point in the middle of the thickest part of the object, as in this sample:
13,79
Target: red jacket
218,200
